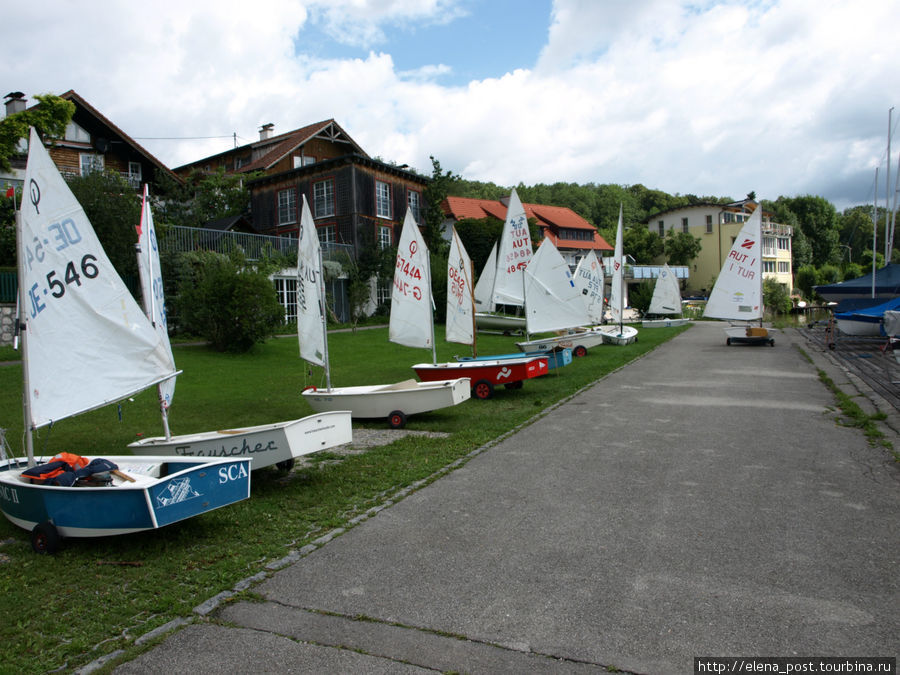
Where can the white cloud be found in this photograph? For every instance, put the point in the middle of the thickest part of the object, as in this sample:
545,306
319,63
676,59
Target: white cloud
780,97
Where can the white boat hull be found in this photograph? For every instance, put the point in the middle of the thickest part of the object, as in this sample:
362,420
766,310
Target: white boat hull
374,401
663,323
859,328
613,335
501,322
579,342
163,490
266,444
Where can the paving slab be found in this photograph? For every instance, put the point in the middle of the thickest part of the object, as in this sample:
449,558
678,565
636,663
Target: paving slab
702,501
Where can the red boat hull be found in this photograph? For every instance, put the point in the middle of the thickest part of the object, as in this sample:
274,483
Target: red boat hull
485,375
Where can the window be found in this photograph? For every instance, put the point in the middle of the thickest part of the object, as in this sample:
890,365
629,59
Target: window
784,267
768,266
382,199
384,236
287,206
286,289
684,225
302,160
323,198
784,244
90,163
709,225
76,133
134,174
383,292
662,228
414,200
327,234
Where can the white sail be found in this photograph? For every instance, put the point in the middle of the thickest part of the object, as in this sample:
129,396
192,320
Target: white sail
73,295
412,320
513,255
666,294
460,302
552,300
485,286
150,273
589,280
617,292
737,293
310,300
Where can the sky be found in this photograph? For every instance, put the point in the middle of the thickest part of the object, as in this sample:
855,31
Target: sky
712,98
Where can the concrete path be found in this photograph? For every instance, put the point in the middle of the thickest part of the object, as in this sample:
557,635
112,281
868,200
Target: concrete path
701,501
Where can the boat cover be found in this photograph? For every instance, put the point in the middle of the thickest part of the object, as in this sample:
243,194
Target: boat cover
887,285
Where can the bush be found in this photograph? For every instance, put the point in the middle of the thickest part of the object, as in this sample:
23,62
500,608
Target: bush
233,306
775,297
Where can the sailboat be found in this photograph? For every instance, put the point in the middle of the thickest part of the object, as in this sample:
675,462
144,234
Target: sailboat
589,280
617,333
509,258
737,294
666,300
554,303
278,443
412,324
460,310
393,402
85,344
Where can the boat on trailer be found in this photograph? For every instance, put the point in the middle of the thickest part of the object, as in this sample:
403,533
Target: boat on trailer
556,358
86,343
486,375
617,332
277,443
393,402
737,294
665,306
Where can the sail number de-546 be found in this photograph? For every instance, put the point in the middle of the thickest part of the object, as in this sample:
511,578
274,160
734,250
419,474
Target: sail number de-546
57,282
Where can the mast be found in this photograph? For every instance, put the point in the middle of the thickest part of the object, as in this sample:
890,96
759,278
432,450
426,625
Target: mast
874,230
149,309
322,310
21,329
888,233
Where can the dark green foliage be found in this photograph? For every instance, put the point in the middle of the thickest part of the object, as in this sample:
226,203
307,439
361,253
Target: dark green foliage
640,295
775,297
819,221
681,248
479,236
230,304
8,230
49,118
640,243
114,209
806,279
442,182
203,197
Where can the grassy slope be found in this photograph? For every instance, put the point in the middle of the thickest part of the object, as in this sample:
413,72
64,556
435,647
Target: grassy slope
97,595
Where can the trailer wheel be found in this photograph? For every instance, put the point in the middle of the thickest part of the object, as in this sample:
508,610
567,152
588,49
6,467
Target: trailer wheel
483,389
45,539
286,465
397,420
771,343
728,341
579,351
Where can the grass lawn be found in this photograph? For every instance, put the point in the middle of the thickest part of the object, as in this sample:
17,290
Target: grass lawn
98,595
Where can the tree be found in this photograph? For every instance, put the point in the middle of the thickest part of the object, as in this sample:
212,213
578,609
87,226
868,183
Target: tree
641,244
807,279
818,220
232,305
202,197
775,297
434,194
50,118
681,248
114,209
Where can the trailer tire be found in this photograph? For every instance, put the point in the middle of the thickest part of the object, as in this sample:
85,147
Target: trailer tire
483,390
45,539
397,419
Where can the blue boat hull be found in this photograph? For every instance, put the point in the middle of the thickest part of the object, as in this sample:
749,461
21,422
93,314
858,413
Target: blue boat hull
555,359
182,489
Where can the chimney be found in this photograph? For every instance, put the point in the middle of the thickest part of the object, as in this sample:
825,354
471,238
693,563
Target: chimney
15,102
265,131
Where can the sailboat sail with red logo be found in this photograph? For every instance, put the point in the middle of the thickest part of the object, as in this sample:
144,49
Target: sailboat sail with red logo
737,295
